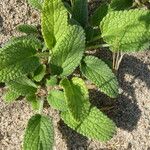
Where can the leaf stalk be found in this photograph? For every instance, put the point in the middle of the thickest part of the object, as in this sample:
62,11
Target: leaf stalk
97,46
41,105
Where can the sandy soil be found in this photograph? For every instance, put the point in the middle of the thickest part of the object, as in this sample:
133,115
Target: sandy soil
130,112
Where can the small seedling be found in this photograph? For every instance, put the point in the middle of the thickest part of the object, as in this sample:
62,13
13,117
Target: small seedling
42,65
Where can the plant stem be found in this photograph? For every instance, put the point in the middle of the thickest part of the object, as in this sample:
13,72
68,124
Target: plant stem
120,59
117,58
114,59
97,46
41,105
71,2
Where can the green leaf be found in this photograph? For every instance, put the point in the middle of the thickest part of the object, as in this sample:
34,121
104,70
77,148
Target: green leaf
89,31
77,97
93,36
23,86
95,126
127,30
100,74
34,101
52,81
56,99
73,22
80,11
37,4
28,29
68,52
120,4
54,21
39,133
39,73
10,96
18,58
99,14
68,7
27,40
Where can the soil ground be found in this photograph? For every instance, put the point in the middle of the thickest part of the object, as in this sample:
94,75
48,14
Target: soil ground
130,112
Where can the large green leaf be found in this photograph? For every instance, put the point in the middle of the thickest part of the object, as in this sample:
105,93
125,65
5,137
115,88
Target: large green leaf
127,30
100,74
39,134
54,21
56,99
68,52
22,86
17,58
80,11
77,97
95,126
120,4
27,40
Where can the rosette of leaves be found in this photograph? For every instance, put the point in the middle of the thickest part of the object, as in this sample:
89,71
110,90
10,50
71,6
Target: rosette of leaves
40,65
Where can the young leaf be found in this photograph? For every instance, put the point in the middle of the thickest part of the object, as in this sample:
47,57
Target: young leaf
99,14
39,133
10,96
77,97
120,4
54,21
80,11
39,73
28,29
127,30
22,86
34,101
52,81
56,99
18,58
99,73
68,52
37,4
95,126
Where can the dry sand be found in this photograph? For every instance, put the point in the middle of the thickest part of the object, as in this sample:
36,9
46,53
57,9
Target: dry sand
131,111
